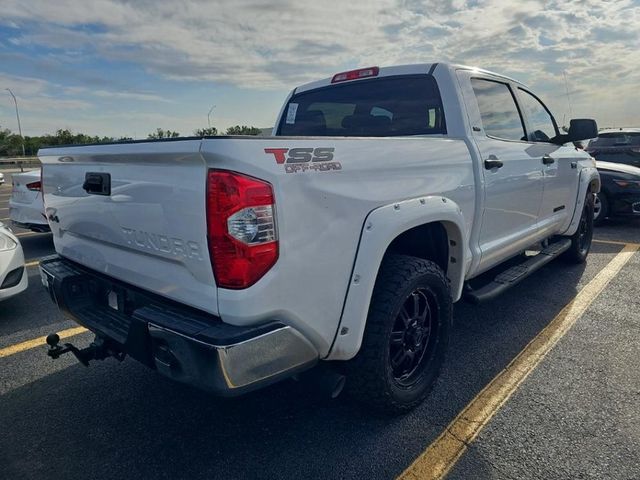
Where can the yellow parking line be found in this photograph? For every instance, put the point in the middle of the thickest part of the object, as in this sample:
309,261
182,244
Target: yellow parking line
436,461
30,234
38,342
35,263
613,242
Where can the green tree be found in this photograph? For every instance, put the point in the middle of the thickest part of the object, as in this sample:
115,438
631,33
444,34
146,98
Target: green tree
207,131
32,145
243,130
5,133
62,137
160,133
10,143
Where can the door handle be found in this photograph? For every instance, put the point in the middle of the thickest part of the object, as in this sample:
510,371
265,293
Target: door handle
547,160
492,163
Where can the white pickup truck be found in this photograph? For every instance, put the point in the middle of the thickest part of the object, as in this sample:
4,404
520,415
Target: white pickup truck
384,193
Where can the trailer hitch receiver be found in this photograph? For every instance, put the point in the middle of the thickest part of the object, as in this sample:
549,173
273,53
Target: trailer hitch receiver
98,350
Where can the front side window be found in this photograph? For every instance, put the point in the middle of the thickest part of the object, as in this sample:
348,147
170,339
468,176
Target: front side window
381,107
542,126
498,110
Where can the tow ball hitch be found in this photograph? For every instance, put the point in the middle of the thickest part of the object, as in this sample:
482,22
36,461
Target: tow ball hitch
98,350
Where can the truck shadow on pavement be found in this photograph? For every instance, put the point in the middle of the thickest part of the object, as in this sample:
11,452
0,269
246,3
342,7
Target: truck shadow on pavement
124,421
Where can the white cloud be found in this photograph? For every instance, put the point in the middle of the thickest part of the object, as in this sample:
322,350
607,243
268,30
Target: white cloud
114,94
38,95
256,45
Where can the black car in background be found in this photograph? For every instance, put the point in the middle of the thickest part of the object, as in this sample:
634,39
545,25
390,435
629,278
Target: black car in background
617,145
620,191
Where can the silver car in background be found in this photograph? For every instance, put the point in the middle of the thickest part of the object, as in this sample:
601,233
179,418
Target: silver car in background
26,207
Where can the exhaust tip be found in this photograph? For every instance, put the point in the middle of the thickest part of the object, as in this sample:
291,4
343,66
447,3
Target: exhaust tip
164,357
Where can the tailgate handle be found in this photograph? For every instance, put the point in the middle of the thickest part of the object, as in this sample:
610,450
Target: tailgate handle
493,162
97,183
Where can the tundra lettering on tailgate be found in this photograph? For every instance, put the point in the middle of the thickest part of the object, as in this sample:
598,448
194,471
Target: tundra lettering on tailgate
305,159
155,242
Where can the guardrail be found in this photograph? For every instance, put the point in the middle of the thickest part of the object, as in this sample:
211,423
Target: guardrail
19,162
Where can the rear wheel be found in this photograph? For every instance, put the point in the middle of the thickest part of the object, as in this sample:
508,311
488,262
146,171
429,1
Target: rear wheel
581,240
406,336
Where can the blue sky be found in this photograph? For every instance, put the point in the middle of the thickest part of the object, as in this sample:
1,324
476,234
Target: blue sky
113,67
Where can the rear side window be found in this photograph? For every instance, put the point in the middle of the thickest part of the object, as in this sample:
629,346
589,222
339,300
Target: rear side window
498,110
382,107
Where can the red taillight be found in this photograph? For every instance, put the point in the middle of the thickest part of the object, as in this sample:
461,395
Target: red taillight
241,226
355,74
34,186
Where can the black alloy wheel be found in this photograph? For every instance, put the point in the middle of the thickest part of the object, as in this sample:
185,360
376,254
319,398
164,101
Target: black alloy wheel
411,342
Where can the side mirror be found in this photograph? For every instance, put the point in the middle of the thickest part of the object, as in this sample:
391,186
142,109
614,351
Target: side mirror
582,129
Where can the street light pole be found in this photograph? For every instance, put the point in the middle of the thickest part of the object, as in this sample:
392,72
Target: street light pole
209,115
18,117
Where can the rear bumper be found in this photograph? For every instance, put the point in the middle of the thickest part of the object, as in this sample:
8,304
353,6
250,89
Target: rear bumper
28,215
35,227
184,344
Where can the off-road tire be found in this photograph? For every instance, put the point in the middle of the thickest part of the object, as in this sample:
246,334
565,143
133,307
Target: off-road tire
371,377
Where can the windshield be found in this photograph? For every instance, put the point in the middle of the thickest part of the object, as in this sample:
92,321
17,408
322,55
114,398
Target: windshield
393,106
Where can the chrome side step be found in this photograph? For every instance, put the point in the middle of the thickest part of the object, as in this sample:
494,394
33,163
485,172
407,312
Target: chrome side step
514,275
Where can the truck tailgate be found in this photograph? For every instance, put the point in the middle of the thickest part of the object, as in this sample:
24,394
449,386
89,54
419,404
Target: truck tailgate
135,212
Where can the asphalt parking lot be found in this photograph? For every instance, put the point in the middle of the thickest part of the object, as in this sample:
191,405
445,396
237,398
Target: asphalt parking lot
569,409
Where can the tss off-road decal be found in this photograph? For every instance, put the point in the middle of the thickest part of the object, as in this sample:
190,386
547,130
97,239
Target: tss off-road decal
305,159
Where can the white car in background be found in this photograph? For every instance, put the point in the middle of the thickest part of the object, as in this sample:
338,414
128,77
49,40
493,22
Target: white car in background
1,178
13,278
26,207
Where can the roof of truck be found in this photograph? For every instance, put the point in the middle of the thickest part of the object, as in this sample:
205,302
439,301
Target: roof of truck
408,69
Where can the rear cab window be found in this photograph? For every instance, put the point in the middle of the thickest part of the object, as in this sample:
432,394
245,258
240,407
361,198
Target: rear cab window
381,107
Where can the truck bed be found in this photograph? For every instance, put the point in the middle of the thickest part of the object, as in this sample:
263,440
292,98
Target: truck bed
151,230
